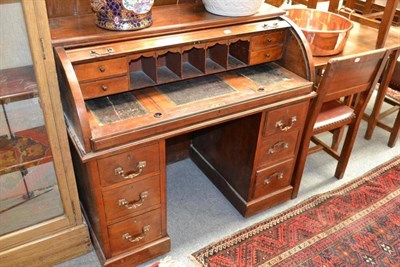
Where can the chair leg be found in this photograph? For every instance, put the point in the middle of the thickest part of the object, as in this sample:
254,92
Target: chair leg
347,148
301,161
336,138
395,131
373,118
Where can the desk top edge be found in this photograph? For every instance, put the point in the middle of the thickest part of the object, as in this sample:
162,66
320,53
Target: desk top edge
81,31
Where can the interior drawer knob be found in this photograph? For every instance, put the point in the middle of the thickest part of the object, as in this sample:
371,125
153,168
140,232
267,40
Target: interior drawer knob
102,69
276,175
267,55
104,87
134,204
133,239
277,147
131,174
269,40
284,128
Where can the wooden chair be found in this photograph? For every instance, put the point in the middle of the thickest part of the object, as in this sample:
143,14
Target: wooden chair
388,92
381,20
344,77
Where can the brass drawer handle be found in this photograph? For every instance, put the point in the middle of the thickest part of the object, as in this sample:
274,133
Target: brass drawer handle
284,128
134,204
94,53
276,175
128,237
130,175
279,146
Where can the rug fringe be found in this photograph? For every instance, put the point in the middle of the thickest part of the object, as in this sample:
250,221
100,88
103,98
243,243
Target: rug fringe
195,261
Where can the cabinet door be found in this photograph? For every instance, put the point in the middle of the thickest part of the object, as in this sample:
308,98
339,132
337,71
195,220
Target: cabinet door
37,187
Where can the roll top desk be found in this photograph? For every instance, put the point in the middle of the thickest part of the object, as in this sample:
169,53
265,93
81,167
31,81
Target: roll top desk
240,87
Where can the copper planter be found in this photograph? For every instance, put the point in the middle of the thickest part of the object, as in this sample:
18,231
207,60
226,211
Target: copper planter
326,32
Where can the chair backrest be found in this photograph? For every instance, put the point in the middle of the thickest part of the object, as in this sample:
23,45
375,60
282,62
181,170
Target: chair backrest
348,76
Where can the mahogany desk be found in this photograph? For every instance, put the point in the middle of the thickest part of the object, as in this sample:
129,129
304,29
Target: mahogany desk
239,88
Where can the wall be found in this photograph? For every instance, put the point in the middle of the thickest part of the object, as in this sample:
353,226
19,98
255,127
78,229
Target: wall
14,45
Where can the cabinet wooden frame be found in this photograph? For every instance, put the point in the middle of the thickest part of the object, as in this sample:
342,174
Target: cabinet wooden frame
67,235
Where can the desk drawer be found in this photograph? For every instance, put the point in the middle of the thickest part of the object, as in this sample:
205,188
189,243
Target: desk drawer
285,119
135,232
273,178
129,165
278,147
132,198
265,55
263,41
104,87
101,69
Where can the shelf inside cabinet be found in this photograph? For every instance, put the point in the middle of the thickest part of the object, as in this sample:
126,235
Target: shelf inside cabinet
17,84
143,72
169,67
216,58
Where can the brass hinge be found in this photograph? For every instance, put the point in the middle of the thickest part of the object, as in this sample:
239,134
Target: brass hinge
43,51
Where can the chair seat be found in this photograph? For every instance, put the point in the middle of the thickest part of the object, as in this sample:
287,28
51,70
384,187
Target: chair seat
332,115
394,94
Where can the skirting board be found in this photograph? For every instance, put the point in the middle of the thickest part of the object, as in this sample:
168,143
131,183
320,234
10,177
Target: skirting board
49,250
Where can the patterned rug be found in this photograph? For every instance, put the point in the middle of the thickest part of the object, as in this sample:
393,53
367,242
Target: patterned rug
355,225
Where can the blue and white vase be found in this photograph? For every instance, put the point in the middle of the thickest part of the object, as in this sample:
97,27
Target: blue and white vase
123,15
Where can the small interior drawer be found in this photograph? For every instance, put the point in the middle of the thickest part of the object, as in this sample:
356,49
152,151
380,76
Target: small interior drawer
129,165
132,198
266,55
278,147
105,87
135,232
273,178
260,42
285,119
101,69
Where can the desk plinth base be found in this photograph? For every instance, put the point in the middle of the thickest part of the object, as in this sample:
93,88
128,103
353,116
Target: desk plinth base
135,256
246,208
141,254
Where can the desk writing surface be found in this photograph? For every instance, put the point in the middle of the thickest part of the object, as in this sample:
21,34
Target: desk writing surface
361,39
168,107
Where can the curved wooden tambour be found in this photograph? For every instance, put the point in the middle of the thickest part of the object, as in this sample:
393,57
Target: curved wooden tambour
74,101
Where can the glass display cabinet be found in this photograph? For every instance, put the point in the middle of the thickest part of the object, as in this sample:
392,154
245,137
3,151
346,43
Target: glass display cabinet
39,206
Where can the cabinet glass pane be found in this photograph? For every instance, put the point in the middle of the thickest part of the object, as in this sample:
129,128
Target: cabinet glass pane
28,184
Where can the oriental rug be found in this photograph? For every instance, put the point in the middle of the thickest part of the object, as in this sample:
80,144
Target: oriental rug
355,225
